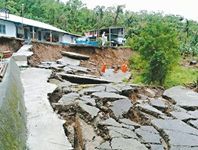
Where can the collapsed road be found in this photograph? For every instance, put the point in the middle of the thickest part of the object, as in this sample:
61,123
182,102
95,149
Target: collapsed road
109,116
127,116
121,116
106,113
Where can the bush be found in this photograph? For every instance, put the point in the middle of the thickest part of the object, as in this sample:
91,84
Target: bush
157,45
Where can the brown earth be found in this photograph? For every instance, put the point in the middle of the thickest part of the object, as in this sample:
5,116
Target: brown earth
185,62
10,44
99,56
112,56
48,52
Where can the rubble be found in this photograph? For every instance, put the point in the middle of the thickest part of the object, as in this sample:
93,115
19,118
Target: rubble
115,115
109,114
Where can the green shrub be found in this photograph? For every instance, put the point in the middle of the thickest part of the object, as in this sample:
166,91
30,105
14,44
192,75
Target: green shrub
107,43
99,41
135,61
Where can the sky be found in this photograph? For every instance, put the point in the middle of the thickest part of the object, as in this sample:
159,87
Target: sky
186,8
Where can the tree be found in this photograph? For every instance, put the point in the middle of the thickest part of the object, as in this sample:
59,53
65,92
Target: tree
73,16
118,11
100,14
158,51
10,5
73,13
108,19
187,31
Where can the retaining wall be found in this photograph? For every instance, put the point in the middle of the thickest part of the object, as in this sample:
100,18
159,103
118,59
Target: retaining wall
12,110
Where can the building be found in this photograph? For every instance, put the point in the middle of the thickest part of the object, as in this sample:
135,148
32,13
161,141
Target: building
20,27
111,33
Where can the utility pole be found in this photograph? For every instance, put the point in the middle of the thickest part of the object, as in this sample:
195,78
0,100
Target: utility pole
22,21
98,35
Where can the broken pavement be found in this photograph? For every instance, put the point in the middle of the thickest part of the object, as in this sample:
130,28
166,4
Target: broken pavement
117,115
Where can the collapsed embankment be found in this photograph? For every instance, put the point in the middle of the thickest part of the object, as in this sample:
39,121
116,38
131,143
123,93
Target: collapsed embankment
45,52
112,56
12,110
10,44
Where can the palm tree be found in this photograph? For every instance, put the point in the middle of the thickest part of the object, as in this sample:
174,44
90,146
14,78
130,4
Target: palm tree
186,30
118,11
100,14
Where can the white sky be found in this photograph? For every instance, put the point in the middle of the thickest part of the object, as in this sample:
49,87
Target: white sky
186,8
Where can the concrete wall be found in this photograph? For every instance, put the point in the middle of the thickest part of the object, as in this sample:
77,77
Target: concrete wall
12,110
10,28
67,38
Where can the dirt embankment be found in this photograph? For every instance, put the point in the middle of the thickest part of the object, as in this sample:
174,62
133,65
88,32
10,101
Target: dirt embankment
10,44
44,52
98,56
47,52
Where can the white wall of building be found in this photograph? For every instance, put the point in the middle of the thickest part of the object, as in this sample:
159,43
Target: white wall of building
60,37
67,38
10,29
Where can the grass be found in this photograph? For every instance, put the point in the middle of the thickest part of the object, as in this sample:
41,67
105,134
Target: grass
81,87
136,78
179,76
125,46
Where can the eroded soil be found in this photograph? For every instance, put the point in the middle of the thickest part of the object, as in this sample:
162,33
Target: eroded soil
112,56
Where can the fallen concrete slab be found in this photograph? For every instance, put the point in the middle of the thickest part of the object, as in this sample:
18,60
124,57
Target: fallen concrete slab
116,111
75,55
21,56
119,76
25,50
82,79
68,61
12,108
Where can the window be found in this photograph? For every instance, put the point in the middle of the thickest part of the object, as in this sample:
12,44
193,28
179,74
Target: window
2,29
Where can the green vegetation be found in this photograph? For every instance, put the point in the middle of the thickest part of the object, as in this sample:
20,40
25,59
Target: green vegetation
73,16
81,87
157,46
1,56
181,76
159,39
